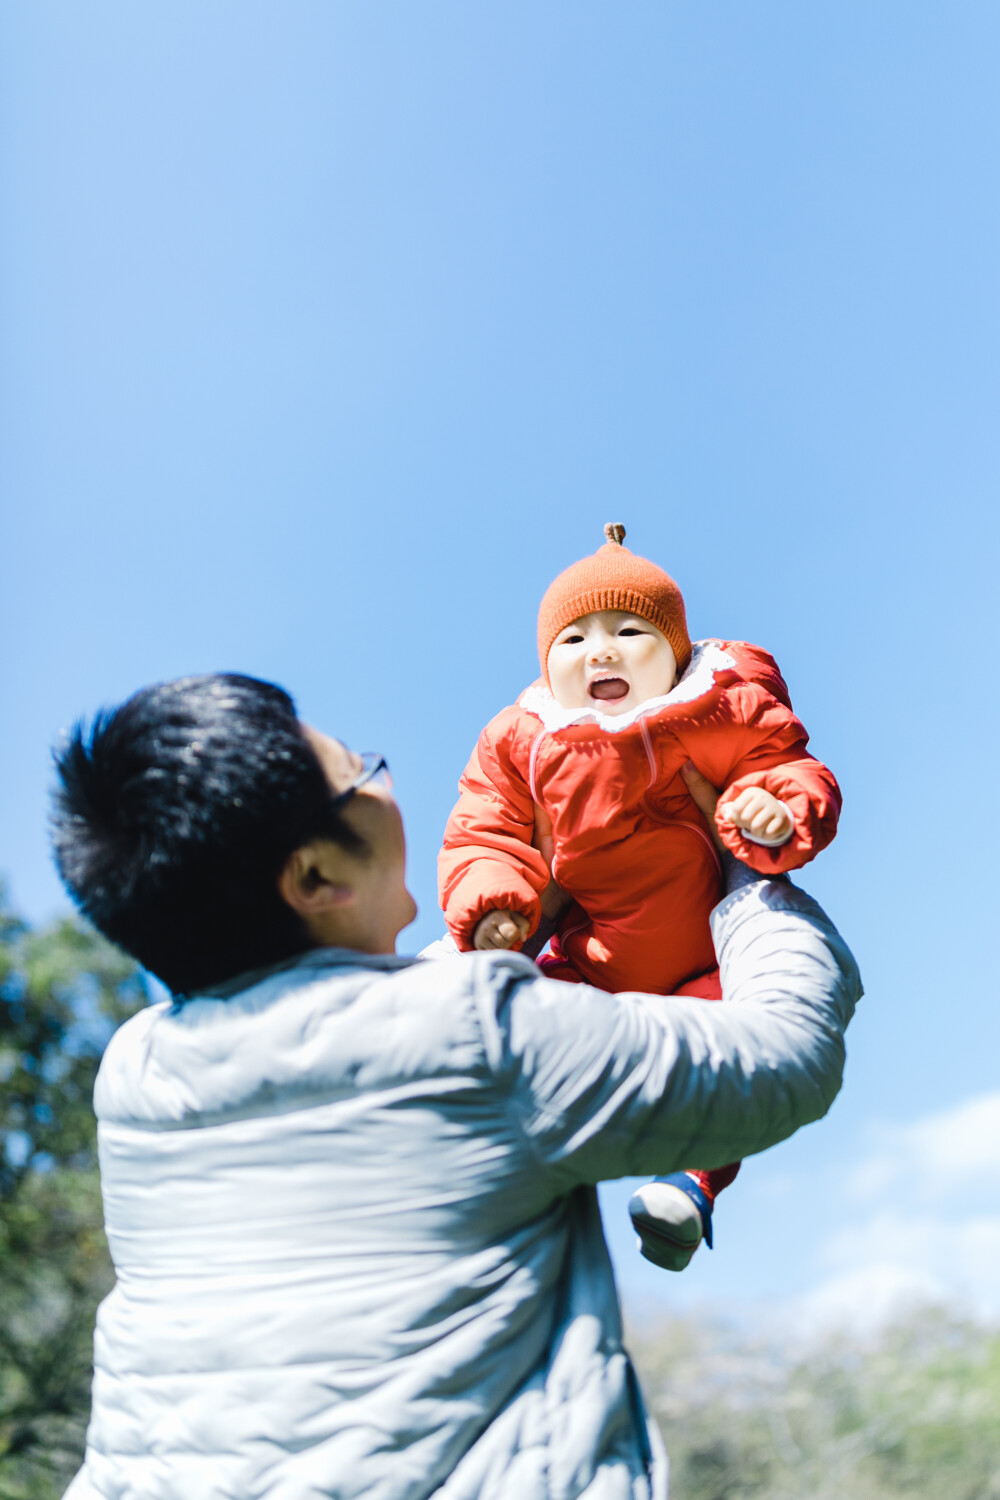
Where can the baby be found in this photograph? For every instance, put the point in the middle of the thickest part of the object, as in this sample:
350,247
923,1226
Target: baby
573,804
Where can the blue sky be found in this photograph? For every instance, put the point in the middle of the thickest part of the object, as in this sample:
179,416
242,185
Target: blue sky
332,331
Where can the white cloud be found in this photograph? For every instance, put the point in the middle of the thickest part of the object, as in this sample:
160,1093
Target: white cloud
864,1298
894,1261
909,1216
919,1221
949,1151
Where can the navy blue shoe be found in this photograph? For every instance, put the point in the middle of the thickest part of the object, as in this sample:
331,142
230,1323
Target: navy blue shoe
671,1215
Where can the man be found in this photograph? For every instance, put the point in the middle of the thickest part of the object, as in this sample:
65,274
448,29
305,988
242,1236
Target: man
350,1197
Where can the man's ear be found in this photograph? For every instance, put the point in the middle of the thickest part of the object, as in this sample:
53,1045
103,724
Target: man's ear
313,879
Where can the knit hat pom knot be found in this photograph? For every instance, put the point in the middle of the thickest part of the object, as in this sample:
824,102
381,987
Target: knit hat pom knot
613,578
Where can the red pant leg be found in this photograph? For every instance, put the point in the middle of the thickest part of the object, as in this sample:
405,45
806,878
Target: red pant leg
557,966
705,987
714,1181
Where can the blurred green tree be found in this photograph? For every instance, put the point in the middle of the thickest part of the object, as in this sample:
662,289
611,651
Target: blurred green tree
912,1414
63,990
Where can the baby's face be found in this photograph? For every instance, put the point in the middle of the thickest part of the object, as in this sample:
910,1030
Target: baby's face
610,661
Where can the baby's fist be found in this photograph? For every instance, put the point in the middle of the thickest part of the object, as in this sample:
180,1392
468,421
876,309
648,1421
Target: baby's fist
500,929
759,814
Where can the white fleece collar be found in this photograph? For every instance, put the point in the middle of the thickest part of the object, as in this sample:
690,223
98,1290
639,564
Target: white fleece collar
707,658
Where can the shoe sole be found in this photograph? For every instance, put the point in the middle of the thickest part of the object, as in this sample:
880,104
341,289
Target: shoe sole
669,1252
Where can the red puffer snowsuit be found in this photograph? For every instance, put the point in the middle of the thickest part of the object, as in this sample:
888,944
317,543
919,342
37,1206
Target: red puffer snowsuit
599,803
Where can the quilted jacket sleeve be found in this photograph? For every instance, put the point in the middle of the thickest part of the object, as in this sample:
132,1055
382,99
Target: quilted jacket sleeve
488,862
758,742
616,1085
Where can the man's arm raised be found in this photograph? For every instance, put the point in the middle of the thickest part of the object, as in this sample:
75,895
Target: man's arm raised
621,1085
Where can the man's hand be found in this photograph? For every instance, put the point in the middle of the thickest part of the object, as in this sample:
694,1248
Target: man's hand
500,929
704,796
554,901
757,812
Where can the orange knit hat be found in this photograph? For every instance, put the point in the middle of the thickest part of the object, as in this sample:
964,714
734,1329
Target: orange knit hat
614,578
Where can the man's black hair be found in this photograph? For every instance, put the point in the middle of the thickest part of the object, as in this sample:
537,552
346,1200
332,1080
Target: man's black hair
174,815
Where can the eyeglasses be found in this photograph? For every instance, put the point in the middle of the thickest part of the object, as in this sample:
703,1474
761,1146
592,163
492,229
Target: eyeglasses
374,768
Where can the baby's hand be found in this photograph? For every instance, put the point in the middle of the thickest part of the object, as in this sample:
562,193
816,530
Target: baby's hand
757,812
500,929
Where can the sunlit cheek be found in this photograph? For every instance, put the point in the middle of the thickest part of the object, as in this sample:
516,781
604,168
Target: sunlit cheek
651,667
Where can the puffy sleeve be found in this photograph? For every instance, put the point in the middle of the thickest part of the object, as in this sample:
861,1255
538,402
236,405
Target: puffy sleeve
487,861
609,1086
755,740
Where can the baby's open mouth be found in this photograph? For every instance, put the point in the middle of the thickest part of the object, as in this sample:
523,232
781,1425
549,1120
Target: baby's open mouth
607,689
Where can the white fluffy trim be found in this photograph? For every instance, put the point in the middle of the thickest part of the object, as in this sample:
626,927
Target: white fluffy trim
707,658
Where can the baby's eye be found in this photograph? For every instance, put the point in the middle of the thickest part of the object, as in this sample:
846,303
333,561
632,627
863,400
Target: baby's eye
571,640
631,630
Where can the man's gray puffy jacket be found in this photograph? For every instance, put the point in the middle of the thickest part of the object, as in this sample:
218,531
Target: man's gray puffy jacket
352,1213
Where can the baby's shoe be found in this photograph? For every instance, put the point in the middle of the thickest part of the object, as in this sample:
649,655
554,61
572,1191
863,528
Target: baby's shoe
671,1215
